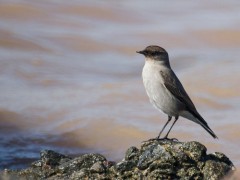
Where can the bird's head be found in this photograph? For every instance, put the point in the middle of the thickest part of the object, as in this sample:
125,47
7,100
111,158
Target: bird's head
154,52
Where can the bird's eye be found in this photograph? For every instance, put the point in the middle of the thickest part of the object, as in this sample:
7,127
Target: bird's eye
154,53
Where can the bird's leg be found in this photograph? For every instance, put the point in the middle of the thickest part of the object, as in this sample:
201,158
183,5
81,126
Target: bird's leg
169,119
166,137
158,138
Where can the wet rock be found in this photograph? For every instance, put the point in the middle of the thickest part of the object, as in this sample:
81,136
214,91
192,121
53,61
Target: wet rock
155,159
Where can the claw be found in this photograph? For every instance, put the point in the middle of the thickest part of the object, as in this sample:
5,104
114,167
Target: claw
161,139
170,139
152,139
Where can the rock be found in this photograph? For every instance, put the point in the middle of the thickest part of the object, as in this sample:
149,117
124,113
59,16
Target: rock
98,167
154,153
194,150
78,163
215,170
155,159
51,158
132,154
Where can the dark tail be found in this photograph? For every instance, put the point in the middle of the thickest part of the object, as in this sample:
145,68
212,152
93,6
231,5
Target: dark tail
203,123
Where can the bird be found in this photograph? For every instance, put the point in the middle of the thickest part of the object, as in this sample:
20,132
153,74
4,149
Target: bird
165,91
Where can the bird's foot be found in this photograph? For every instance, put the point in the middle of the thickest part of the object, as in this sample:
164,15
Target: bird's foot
161,139
168,139
152,139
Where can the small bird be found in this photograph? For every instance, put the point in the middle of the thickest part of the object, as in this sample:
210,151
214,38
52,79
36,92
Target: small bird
165,91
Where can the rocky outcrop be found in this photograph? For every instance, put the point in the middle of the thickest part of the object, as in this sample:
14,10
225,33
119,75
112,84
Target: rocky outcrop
155,159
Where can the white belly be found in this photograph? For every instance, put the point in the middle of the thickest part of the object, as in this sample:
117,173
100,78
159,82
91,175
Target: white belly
158,95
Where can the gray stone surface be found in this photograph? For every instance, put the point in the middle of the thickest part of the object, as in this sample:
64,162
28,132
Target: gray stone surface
155,159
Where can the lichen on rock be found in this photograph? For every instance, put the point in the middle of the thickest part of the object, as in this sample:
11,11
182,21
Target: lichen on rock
155,159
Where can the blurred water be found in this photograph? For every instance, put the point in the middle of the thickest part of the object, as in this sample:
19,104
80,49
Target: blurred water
71,80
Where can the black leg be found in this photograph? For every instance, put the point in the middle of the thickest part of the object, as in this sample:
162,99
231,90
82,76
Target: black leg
169,119
176,118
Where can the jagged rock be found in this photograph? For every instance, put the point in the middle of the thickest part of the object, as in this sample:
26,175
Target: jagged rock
155,159
98,167
51,158
132,154
78,163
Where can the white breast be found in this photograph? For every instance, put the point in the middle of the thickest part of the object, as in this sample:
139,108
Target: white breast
158,95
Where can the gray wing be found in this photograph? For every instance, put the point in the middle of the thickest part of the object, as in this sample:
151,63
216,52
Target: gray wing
175,87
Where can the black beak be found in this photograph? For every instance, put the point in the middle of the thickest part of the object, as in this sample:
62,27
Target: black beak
141,52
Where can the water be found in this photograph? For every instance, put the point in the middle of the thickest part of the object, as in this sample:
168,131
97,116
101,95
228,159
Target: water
71,79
